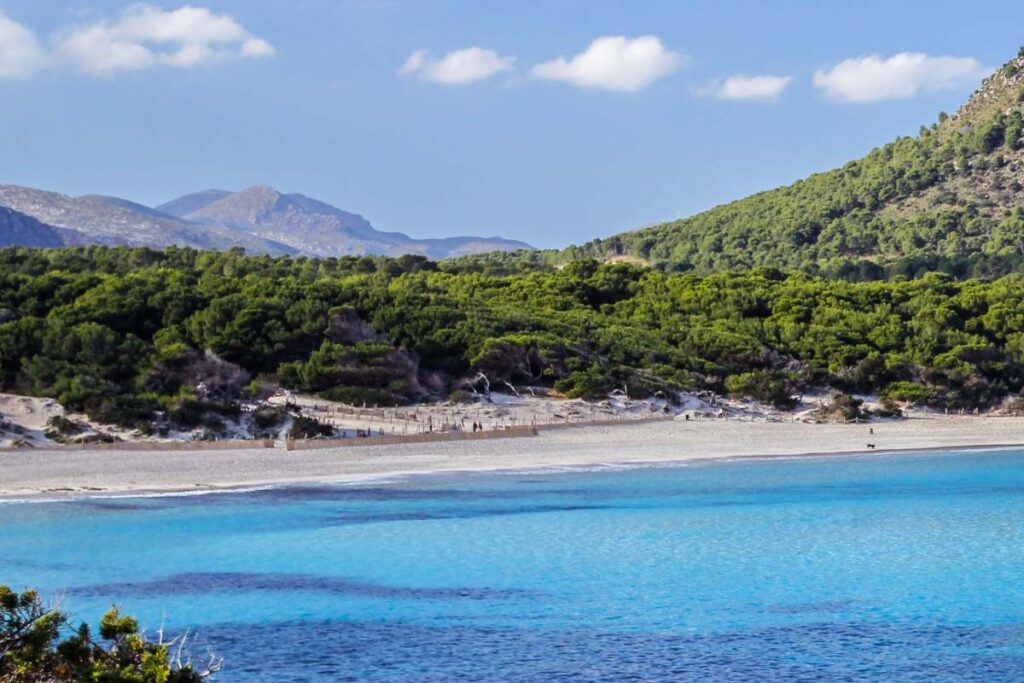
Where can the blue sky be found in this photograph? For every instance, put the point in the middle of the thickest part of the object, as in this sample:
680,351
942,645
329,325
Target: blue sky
145,103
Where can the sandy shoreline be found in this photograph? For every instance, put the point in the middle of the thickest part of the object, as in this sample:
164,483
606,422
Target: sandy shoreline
34,474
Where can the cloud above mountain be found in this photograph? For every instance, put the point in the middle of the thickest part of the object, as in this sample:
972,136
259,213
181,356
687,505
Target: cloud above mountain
21,55
459,67
616,63
629,64
901,76
747,88
142,37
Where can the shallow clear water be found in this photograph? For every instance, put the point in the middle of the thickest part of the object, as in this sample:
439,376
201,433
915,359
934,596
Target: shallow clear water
880,568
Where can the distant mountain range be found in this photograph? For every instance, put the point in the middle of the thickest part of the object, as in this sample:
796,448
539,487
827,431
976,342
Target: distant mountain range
259,219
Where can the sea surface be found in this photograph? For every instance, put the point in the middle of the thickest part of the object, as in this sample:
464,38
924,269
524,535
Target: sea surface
871,568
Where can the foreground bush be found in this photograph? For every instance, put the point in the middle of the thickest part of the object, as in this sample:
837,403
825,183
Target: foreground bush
32,649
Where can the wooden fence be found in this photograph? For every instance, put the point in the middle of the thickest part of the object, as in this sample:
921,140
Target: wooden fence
420,419
225,445
504,433
603,423
392,439
381,439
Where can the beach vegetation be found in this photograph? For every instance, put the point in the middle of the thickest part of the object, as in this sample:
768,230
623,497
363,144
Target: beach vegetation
305,427
126,335
771,387
38,644
844,408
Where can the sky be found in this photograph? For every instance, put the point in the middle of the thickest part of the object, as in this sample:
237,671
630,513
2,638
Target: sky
551,122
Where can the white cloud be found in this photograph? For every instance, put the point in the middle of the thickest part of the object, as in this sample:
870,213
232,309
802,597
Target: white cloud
748,87
145,36
456,68
257,47
614,63
21,55
96,50
904,75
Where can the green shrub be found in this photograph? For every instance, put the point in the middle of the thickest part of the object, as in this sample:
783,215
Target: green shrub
304,427
267,418
767,386
62,426
888,408
592,383
192,414
911,392
358,396
32,649
843,408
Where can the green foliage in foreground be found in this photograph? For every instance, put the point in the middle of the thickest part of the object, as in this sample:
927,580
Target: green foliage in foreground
32,649
127,334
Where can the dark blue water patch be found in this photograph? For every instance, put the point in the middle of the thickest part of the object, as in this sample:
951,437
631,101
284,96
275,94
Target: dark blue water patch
722,490
198,583
299,494
38,565
720,493
832,652
823,607
370,517
375,494
140,504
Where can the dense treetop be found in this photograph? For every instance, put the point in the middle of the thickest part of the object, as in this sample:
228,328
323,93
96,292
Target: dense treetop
126,333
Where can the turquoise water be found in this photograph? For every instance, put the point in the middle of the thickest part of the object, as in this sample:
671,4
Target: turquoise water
873,568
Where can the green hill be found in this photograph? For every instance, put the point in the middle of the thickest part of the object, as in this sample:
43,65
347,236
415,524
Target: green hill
950,198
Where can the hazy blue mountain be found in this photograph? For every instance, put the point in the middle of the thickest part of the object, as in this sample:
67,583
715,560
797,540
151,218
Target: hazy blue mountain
317,228
183,206
258,219
112,221
17,229
126,204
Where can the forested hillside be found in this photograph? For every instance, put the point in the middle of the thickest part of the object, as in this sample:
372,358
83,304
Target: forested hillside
127,334
951,198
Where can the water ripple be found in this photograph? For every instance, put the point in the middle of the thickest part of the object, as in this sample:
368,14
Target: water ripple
834,652
198,583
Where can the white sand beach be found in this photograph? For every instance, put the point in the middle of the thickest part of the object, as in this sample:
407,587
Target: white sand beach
77,472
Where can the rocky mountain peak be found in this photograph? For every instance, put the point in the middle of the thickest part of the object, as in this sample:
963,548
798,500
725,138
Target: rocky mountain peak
245,210
1000,93
259,219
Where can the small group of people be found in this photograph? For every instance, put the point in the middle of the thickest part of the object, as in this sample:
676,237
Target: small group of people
478,427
